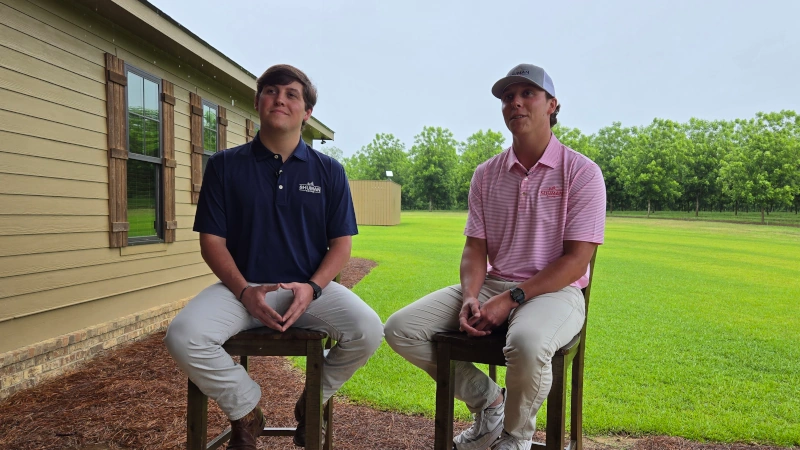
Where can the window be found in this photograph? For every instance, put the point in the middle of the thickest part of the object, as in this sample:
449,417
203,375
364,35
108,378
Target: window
144,172
210,131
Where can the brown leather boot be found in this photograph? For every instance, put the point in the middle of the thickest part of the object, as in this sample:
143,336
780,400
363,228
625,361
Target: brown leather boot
300,415
246,430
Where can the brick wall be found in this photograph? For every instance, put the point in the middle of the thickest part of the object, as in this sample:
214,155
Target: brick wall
28,366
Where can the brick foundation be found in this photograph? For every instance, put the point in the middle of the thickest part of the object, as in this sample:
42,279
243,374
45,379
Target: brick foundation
28,366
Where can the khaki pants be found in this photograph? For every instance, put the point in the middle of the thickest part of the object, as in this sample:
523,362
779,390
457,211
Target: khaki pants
195,338
536,330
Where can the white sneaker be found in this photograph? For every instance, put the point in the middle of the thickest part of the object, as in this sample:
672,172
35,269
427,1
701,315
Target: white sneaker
508,442
486,429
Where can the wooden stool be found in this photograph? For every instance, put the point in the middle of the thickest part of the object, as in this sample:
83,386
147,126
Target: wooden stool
458,346
267,342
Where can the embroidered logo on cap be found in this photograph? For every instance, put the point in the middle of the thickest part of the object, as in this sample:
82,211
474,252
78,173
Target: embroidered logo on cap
521,72
311,188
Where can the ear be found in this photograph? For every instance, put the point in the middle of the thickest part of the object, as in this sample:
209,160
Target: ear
551,108
308,114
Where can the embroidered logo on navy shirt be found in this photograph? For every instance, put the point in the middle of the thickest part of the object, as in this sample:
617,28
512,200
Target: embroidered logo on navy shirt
310,188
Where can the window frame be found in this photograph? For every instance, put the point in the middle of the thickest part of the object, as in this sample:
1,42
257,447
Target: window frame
158,160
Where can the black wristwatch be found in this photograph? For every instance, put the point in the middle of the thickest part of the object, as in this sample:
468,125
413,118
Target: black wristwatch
316,288
518,295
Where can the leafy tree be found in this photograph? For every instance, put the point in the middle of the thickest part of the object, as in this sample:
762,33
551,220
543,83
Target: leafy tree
610,143
433,169
574,139
478,148
708,142
649,165
334,152
371,162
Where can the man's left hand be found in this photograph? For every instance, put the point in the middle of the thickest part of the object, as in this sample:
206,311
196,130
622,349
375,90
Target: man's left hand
303,294
495,311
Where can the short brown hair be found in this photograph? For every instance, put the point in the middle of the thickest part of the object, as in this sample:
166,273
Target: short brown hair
283,74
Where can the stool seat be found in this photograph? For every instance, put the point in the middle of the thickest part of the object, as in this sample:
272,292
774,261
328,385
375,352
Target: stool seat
264,341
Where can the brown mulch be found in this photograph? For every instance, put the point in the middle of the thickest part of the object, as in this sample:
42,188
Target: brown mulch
135,398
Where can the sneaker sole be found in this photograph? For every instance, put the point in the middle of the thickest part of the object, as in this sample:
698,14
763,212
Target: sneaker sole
484,443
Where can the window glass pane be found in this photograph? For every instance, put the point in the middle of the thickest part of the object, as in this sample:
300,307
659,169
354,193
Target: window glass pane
135,134
142,198
150,99
135,93
151,142
210,117
210,141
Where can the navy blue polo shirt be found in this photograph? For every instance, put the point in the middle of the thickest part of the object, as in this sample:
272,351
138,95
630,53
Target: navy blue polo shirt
277,217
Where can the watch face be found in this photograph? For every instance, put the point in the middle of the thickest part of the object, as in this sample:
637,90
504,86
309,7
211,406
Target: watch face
517,295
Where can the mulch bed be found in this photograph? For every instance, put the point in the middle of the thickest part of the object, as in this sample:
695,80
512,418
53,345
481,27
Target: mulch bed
135,398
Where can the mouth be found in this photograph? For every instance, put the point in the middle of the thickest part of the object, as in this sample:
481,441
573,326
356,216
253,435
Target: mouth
279,111
516,116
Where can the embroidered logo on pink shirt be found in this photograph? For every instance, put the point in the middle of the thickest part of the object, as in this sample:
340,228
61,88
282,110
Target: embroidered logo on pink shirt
551,192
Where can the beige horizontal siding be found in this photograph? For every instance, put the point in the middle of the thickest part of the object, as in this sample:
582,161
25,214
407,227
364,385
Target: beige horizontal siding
39,302
31,329
47,243
57,279
33,126
35,205
36,88
52,112
99,257
42,70
51,187
45,51
41,167
42,147
26,225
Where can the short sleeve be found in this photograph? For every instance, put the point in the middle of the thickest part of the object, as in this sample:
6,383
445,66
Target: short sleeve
586,207
210,216
341,214
476,226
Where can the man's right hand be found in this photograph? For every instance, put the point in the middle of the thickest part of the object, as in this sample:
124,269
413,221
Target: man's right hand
470,314
253,300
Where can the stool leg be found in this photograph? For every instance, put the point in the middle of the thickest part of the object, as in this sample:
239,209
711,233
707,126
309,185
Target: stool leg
196,418
328,415
445,388
556,406
314,360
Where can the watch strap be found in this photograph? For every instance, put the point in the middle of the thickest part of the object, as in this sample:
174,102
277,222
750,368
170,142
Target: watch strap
316,288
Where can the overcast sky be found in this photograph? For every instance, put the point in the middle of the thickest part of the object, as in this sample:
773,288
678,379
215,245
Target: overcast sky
396,66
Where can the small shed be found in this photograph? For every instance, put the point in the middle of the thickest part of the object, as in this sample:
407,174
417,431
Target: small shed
377,202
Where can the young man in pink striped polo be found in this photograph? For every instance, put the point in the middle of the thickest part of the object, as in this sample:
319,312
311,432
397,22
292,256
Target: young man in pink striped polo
536,214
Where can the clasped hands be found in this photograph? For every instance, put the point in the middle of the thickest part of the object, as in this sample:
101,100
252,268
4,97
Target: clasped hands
253,300
479,320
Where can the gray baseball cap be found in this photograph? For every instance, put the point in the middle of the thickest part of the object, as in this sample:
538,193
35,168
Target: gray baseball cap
525,73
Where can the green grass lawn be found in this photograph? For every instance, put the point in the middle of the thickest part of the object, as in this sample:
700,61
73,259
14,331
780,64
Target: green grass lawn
775,218
694,327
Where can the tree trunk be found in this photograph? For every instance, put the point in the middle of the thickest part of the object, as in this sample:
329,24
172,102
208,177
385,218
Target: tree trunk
762,214
735,208
648,207
696,205
430,204
611,206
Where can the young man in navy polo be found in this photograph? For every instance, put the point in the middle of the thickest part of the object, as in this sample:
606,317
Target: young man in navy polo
276,222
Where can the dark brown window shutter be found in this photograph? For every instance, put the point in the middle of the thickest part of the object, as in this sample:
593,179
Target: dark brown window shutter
168,168
196,133
249,130
117,152
222,129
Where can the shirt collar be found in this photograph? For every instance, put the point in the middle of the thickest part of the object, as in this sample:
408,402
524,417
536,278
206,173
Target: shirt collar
261,152
550,157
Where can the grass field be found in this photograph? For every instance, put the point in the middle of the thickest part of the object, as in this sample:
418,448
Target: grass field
694,327
775,218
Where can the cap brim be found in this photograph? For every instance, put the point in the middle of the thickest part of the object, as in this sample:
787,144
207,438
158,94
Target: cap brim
503,83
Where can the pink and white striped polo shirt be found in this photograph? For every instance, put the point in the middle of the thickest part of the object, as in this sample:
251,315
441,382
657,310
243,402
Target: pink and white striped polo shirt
525,217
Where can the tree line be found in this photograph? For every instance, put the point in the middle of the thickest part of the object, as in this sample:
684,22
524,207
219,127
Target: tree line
719,165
